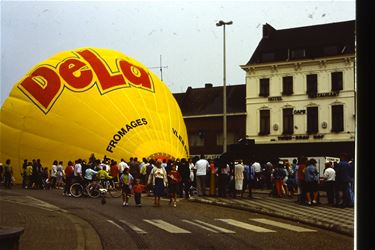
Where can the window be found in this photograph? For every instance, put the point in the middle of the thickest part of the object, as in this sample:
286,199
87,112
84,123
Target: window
337,118
264,87
196,139
287,85
231,138
312,85
288,123
297,53
264,122
312,120
336,80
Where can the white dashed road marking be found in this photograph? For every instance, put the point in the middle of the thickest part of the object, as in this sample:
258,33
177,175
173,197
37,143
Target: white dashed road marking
167,226
246,226
283,225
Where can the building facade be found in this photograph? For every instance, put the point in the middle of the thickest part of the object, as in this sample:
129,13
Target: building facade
202,109
300,91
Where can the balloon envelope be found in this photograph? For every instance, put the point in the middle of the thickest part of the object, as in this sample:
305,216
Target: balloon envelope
90,100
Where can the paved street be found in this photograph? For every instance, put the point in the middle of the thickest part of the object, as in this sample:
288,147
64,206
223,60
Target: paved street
336,219
53,221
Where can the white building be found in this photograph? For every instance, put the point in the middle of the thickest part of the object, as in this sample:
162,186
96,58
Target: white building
300,90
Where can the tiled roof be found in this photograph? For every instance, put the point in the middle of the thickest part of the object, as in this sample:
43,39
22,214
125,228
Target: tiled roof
318,41
209,100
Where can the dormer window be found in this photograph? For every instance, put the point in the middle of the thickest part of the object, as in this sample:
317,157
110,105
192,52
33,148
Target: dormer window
297,53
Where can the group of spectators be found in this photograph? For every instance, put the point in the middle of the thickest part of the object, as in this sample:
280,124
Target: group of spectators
185,177
284,178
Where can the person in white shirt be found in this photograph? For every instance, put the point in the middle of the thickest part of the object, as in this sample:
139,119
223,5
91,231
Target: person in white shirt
329,176
89,174
60,175
122,165
238,177
258,173
202,166
53,174
78,171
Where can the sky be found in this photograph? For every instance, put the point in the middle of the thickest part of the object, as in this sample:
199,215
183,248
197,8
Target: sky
182,33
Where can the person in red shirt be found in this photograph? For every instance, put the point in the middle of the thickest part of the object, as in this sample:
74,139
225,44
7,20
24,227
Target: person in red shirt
301,179
69,174
174,178
114,171
138,189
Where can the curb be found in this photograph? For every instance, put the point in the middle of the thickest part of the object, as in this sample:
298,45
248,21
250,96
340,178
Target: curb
312,222
86,236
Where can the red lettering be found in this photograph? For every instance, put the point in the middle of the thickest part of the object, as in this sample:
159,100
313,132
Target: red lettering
106,80
43,85
78,80
136,75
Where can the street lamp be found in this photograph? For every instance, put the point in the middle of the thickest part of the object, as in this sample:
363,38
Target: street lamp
222,23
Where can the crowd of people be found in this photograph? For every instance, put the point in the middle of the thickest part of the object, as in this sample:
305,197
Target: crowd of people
185,177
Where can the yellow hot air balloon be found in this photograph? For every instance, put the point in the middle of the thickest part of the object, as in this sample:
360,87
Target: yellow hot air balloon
90,100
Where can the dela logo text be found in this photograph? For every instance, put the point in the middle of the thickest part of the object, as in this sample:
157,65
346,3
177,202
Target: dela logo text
79,73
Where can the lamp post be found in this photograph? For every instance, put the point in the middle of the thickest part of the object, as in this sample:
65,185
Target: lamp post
222,23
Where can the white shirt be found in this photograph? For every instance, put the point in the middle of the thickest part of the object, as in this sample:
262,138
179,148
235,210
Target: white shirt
256,167
191,166
89,174
60,170
122,166
329,174
202,165
77,169
54,171
238,171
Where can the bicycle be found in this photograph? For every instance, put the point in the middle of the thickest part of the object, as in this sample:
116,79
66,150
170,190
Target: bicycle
113,188
93,189
77,190
96,189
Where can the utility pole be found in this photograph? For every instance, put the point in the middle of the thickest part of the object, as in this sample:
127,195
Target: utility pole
222,23
161,67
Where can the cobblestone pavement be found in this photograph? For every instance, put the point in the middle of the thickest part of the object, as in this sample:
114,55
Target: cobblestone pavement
45,226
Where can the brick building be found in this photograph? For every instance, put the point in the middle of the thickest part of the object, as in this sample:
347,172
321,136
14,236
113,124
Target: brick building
202,109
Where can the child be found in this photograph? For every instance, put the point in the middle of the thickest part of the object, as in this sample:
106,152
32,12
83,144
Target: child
138,189
174,179
126,181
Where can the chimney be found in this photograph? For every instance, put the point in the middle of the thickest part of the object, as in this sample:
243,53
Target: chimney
267,30
208,85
